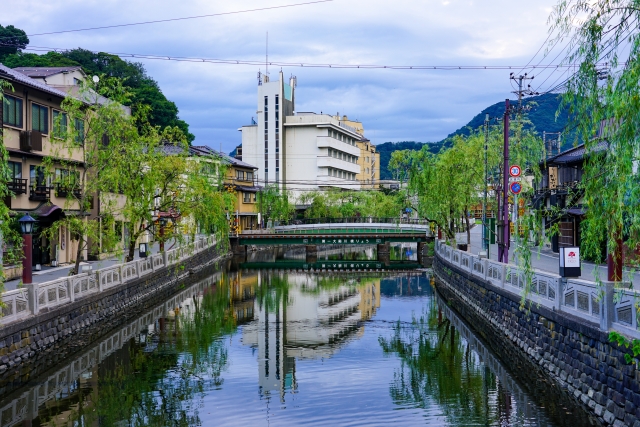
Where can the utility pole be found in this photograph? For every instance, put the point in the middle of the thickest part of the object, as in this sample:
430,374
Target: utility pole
485,235
503,246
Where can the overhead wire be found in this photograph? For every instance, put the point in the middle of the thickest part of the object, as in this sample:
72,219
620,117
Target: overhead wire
175,19
301,64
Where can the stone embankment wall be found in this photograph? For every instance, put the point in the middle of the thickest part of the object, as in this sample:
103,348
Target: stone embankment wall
37,342
576,356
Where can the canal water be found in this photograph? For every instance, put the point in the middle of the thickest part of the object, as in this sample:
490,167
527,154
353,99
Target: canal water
276,347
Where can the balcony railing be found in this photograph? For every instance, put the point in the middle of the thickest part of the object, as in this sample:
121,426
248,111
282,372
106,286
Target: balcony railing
17,186
40,192
64,190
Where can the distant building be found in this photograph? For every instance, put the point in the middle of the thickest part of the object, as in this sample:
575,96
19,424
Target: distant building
305,151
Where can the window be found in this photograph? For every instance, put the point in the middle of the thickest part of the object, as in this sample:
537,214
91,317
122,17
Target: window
40,118
79,126
246,197
59,124
15,170
67,177
37,176
255,197
277,141
12,111
249,176
240,175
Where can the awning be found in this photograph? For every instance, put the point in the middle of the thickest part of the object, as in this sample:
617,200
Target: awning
248,189
577,211
45,210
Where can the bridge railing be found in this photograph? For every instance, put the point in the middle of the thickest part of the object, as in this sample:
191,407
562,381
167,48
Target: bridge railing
579,298
353,220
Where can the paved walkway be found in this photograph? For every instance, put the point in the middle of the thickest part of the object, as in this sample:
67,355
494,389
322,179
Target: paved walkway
542,259
51,273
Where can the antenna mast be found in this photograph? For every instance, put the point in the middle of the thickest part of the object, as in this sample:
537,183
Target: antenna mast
266,63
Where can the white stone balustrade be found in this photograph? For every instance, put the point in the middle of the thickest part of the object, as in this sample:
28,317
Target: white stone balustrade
610,308
30,300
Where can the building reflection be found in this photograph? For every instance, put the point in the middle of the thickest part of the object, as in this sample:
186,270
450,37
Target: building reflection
304,316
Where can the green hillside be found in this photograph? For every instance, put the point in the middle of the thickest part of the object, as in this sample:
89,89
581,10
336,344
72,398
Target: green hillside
542,112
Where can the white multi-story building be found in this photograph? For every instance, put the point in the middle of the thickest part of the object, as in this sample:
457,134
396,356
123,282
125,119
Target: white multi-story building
299,151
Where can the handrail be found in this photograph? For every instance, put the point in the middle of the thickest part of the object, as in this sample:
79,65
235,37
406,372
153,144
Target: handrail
24,302
579,298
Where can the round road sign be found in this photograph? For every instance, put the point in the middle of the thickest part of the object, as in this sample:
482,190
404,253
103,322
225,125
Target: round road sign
515,187
514,170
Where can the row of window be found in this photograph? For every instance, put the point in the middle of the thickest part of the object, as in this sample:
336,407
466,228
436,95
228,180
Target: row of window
38,176
342,156
338,173
249,197
342,137
12,115
244,175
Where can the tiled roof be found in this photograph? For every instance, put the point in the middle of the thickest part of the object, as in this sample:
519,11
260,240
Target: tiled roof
45,71
208,151
576,154
12,75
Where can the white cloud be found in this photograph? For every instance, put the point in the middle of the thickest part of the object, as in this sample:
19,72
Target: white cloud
393,105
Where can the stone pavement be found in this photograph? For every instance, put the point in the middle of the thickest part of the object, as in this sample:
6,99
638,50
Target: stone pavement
542,258
51,273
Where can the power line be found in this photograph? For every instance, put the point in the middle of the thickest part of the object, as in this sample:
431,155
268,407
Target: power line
305,64
176,19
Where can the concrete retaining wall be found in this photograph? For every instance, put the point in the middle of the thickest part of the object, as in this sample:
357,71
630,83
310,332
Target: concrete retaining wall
34,343
575,355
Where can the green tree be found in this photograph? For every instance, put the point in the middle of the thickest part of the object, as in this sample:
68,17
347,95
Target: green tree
275,203
605,41
85,164
12,40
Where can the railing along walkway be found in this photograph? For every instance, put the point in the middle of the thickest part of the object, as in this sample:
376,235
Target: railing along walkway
580,298
30,300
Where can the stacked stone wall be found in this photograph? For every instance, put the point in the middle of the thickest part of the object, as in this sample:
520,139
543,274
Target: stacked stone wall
576,357
32,345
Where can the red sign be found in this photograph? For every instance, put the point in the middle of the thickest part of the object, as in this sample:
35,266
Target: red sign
515,187
515,171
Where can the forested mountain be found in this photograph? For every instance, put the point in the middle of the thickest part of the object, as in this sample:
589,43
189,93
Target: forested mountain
541,113
145,90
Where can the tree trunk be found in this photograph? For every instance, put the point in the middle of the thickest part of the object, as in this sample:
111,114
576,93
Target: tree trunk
132,249
466,218
76,268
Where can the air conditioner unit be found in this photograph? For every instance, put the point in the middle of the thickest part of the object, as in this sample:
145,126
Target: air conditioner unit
30,140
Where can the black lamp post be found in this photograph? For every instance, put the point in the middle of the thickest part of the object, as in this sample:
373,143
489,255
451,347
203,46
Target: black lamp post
26,226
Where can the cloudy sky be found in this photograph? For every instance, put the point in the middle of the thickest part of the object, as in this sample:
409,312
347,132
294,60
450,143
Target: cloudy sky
394,105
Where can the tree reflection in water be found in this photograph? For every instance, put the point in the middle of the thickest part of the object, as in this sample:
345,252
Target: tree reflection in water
161,379
438,369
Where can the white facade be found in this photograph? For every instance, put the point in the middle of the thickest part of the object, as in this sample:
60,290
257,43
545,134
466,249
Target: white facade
301,151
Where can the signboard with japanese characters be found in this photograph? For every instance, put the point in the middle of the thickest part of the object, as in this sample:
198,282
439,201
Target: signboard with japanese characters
570,264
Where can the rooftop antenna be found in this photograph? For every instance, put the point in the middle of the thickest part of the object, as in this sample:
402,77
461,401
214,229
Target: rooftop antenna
266,63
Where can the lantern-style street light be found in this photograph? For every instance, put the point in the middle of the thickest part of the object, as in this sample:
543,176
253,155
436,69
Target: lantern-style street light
163,222
26,226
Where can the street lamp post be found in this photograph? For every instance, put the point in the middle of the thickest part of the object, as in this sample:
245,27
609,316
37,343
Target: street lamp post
26,226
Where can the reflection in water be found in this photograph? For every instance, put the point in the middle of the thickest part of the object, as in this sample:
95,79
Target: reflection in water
324,345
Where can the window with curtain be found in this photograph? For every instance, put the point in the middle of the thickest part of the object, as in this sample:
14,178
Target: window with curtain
40,118
12,111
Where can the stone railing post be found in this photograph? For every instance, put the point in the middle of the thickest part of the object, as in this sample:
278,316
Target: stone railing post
71,290
607,306
99,279
32,290
562,283
165,258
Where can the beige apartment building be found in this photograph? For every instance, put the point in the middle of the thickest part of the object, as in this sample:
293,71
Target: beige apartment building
31,117
369,159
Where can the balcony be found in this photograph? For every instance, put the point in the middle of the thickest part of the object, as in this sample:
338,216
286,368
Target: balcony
65,190
332,181
40,192
329,142
332,162
17,186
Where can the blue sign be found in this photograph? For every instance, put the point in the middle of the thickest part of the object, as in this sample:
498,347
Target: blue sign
515,187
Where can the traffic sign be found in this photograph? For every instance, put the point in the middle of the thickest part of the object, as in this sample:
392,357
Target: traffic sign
515,170
515,187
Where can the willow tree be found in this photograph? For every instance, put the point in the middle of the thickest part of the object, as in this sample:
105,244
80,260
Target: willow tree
9,237
165,180
82,162
275,203
603,95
